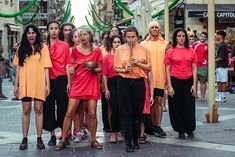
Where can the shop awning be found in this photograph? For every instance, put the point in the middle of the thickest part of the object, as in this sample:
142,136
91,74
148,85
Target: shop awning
14,28
221,10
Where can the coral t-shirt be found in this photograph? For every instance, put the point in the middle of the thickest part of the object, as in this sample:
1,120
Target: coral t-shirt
60,57
180,60
201,50
108,66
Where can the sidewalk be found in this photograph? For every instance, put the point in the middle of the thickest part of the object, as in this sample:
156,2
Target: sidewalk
211,140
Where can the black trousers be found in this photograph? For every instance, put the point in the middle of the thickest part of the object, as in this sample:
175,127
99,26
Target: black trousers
182,106
56,104
115,120
131,96
104,106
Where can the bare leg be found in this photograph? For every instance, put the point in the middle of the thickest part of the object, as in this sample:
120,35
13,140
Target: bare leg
92,104
159,110
68,117
142,129
38,109
26,117
203,89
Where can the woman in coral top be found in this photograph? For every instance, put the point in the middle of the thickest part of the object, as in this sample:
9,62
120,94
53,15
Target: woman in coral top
84,85
60,55
110,79
131,61
180,61
32,61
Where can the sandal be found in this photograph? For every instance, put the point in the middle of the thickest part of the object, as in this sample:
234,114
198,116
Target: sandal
40,144
60,146
24,144
142,140
95,144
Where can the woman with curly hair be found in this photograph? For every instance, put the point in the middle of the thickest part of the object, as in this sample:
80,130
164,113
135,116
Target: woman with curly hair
84,85
32,83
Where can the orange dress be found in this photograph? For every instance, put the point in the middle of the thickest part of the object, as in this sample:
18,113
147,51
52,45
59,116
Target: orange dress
32,82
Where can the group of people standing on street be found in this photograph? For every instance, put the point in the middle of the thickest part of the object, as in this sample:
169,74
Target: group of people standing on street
66,75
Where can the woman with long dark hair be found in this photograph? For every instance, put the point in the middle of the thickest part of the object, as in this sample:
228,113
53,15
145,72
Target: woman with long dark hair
131,61
60,55
32,61
181,70
110,79
84,85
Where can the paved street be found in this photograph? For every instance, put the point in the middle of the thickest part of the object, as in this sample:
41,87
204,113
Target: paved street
211,140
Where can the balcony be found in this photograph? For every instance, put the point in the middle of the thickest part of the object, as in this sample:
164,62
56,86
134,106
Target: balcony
38,16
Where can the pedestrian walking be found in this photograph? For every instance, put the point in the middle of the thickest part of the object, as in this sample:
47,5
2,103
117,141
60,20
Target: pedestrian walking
221,66
32,61
201,49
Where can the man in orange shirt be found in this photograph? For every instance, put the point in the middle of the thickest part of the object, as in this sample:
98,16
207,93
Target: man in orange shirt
157,47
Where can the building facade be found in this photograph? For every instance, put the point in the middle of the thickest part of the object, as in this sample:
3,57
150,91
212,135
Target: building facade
10,31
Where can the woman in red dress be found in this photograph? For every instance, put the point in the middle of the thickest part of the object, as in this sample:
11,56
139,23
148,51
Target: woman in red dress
84,85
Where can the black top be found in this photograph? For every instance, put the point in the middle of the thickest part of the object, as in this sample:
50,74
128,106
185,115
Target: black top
222,52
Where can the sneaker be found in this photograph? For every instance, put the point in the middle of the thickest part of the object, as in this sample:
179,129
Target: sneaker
218,99
112,138
80,136
24,144
223,99
129,147
159,131
52,141
40,144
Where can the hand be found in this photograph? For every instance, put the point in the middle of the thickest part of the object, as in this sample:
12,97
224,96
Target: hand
68,88
194,90
133,60
151,101
47,91
170,91
127,68
71,70
16,91
107,94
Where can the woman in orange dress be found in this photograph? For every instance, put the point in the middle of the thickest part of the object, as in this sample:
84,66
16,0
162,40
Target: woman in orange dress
84,85
32,83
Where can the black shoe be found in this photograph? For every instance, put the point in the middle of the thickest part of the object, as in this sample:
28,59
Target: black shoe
24,144
136,144
52,141
181,135
40,144
190,135
159,131
129,148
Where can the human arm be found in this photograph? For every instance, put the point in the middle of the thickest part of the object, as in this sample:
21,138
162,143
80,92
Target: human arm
105,81
194,86
47,91
16,85
151,88
170,89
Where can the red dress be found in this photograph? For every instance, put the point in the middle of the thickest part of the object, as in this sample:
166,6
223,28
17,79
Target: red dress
85,83
147,98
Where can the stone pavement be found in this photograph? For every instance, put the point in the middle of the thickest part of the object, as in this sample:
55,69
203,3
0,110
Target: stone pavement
211,140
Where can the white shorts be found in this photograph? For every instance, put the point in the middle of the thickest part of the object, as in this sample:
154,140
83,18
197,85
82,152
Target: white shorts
222,74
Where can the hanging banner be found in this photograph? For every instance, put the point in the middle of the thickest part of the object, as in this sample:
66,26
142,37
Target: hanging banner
179,18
